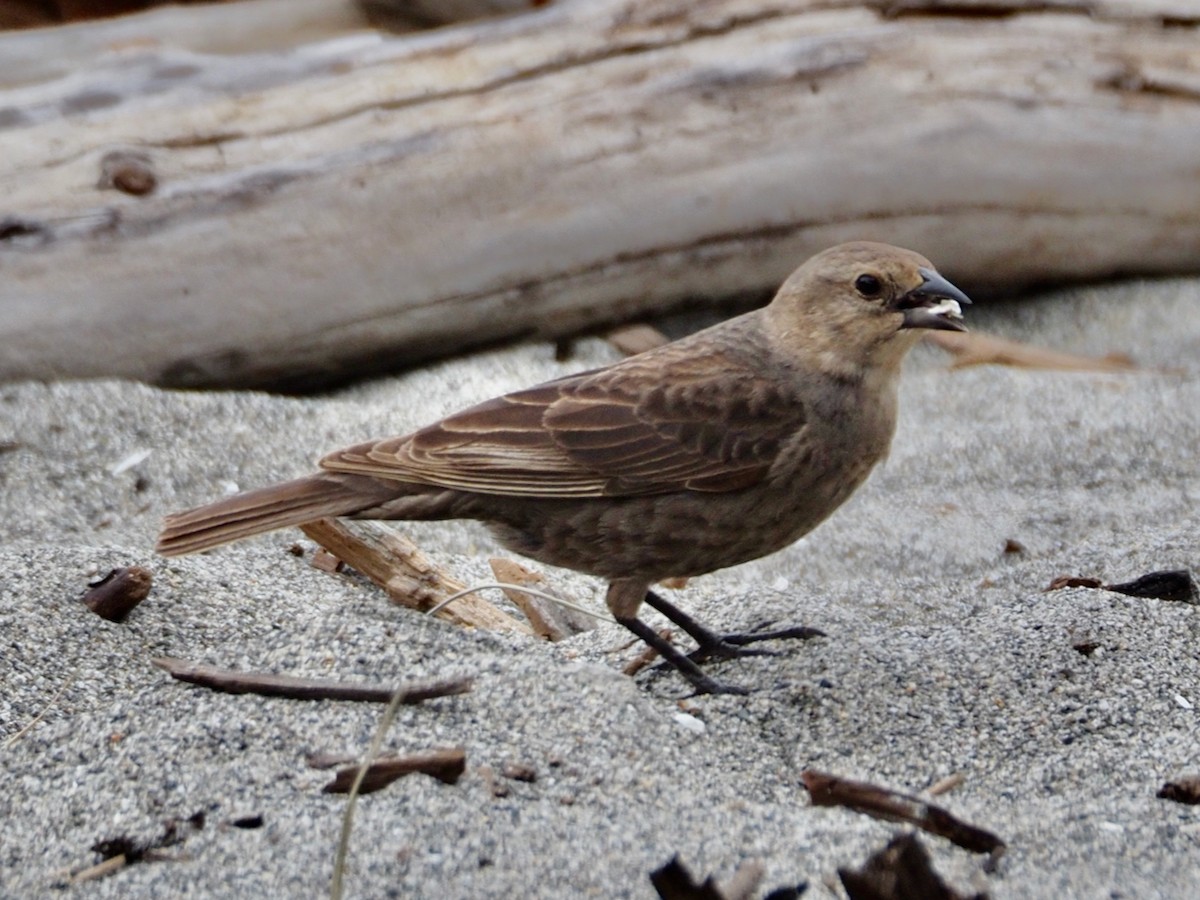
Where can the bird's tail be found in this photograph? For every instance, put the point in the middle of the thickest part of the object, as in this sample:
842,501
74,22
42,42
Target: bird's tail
265,509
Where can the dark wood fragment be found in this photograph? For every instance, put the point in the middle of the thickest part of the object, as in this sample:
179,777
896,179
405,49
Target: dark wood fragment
893,806
231,681
900,871
674,882
1086,648
519,772
1174,585
115,595
444,765
1182,790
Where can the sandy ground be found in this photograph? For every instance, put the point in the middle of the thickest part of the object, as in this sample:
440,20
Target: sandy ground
943,654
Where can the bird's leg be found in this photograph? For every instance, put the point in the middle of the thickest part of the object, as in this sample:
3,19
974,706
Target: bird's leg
727,646
699,679
625,595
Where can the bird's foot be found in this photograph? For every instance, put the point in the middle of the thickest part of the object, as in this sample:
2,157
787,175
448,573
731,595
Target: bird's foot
732,646
710,645
701,681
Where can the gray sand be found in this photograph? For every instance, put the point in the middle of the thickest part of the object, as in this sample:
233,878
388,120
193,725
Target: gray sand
943,654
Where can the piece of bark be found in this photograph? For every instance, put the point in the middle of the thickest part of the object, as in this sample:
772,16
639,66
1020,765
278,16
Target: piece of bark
547,619
900,871
698,151
232,681
444,765
893,806
976,349
408,576
115,595
1182,790
1176,586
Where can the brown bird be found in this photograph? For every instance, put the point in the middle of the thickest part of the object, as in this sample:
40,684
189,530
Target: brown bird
704,453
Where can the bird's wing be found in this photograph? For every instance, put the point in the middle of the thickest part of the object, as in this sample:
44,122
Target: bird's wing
644,426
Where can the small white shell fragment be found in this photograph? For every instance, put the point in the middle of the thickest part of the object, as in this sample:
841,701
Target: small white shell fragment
1183,701
136,458
690,723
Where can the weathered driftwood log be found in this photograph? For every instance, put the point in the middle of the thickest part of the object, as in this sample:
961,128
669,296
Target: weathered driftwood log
364,202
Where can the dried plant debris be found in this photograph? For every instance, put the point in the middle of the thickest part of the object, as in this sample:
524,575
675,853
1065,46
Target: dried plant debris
519,771
549,620
1086,648
444,765
893,806
407,575
1182,790
1175,585
122,850
231,681
673,881
900,871
115,595
976,349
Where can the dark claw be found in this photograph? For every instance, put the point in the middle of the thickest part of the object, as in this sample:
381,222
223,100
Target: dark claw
800,633
709,685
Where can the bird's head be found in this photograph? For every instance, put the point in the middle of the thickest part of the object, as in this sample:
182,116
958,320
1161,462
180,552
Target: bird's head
862,305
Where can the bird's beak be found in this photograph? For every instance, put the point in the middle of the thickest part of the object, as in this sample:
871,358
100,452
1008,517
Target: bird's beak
935,303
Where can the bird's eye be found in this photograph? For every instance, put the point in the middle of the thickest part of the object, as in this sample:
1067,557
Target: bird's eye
868,285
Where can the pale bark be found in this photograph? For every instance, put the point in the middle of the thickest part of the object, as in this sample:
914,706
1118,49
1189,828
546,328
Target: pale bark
370,201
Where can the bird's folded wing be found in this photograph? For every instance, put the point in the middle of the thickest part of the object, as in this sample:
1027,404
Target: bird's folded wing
702,425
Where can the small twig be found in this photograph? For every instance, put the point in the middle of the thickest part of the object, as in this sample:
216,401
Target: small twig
444,765
503,586
91,873
115,595
45,709
945,785
231,681
893,806
647,656
553,621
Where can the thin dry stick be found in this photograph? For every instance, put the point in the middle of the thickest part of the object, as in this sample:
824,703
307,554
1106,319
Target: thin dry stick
45,709
893,806
231,681
339,862
518,587
552,621
91,873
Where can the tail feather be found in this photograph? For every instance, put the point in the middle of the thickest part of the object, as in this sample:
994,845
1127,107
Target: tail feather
266,509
